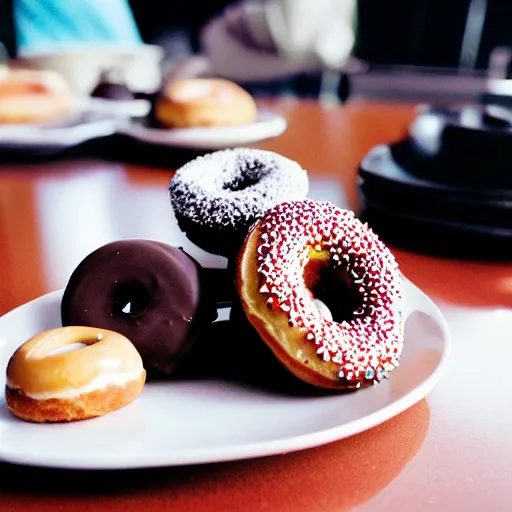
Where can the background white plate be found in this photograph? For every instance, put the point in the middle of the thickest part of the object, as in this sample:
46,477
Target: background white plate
81,127
268,125
117,108
200,421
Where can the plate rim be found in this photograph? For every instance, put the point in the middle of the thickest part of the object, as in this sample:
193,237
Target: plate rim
483,231
64,137
60,137
256,449
180,138
382,151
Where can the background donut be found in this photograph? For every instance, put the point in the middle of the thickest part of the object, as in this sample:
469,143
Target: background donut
198,102
34,97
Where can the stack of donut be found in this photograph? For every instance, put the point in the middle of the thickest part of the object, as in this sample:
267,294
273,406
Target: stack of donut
319,288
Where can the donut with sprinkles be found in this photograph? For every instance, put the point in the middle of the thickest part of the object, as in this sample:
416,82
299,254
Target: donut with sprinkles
306,254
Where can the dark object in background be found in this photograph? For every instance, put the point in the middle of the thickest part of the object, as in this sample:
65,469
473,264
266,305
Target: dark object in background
7,32
108,88
155,17
485,212
470,146
439,238
428,32
430,216
381,170
419,33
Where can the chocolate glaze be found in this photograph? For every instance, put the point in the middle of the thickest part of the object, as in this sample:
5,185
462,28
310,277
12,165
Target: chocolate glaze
112,91
148,291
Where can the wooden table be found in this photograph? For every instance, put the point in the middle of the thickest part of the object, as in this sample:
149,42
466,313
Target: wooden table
452,451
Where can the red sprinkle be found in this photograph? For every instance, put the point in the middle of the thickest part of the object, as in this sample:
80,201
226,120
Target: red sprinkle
365,348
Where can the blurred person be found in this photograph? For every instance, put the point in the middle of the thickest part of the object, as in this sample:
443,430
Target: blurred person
275,47
46,25
257,40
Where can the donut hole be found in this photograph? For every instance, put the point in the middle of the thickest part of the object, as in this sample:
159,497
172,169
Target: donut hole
67,348
130,299
333,288
240,183
248,173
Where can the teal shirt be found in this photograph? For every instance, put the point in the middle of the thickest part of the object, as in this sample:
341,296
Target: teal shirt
53,24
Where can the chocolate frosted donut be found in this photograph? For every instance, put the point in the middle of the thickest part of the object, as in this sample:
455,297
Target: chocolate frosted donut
217,197
148,291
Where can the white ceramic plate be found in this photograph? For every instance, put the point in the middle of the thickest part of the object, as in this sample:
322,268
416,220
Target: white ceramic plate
117,108
201,421
79,128
268,125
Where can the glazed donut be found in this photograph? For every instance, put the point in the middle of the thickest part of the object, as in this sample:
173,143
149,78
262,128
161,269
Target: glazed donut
45,384
198,102
34,97
217,197
150,292
304,250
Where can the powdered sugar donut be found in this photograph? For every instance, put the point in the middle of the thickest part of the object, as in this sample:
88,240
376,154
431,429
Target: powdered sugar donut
217,197
305,251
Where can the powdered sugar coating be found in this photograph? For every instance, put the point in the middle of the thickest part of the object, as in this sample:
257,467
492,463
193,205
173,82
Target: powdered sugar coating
364,349
235,187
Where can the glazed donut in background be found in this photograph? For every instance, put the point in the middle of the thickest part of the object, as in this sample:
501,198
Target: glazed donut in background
306,250
34,97
150,292
217,197
196,102
45,384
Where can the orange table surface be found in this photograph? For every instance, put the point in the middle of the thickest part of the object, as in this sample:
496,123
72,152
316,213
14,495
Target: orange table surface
451,451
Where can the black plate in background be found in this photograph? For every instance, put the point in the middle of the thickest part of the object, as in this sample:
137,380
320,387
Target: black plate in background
484,213
379,168
436,237
470,146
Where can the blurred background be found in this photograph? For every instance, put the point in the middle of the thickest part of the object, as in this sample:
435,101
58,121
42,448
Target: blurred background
396,49
421,95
